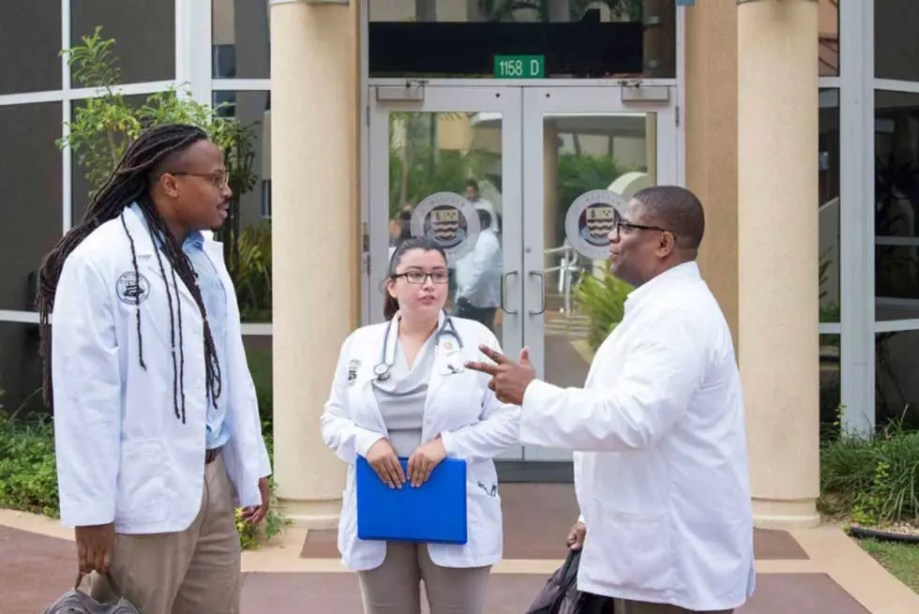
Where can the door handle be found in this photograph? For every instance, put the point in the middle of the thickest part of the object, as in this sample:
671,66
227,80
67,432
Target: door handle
542,292
503,283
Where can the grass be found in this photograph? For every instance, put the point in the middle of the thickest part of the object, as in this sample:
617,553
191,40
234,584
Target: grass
901,560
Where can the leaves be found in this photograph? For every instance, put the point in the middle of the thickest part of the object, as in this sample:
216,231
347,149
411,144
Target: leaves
603,301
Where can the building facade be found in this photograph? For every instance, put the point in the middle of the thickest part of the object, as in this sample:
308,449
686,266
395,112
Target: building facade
795,121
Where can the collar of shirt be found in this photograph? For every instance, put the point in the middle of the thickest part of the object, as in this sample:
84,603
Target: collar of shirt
194,239
644,293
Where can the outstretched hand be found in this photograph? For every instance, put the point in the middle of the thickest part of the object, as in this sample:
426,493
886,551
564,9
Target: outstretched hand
509,379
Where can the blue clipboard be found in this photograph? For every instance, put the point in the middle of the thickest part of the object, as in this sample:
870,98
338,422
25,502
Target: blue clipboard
435,512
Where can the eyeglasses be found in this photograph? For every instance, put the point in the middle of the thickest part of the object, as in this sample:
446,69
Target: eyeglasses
419,277
220,180
629,226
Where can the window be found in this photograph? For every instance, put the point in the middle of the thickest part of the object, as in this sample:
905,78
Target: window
20,368
31,197
828,205
896,207
896,46
828,38
240,39
144,33
30,40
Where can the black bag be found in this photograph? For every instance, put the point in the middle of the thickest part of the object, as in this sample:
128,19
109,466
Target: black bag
77,602
560,595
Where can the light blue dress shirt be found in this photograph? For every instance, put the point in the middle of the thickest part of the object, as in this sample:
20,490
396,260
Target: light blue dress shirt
215,302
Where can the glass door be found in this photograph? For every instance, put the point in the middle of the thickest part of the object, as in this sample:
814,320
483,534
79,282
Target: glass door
445,162
586,151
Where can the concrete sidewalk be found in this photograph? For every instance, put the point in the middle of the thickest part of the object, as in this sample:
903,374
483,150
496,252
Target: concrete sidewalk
801,572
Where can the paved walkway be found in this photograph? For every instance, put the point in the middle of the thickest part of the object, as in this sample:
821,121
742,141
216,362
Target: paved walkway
801,572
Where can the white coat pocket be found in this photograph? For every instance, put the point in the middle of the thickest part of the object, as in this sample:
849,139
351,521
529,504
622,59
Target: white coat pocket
140,488
628,550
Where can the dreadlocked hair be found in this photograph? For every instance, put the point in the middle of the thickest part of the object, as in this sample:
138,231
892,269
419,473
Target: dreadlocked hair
129,183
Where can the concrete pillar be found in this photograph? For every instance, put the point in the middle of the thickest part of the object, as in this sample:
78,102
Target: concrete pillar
711,142
777,230
315,253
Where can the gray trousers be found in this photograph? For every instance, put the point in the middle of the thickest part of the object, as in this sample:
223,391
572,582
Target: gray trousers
394,586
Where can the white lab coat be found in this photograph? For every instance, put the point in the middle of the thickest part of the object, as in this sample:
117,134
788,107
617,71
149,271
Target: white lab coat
661,476
478,273
473,424
122,455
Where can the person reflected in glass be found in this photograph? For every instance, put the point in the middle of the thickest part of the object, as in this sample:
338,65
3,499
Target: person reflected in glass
401,391
478,276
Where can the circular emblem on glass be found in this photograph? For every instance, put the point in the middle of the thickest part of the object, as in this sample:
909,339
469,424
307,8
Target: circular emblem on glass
449,220
589,221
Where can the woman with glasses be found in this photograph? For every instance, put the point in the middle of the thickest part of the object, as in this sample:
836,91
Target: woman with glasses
401,390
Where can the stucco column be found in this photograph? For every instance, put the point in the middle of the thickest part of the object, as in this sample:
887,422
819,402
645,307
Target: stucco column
777,231
711,141
314,240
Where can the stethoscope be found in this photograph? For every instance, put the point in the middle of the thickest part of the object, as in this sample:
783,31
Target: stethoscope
388,355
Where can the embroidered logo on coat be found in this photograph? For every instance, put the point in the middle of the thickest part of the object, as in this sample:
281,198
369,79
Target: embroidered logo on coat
352,370
132,288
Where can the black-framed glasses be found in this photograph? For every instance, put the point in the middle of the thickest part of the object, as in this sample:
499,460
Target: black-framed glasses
620,223
219,180
419,277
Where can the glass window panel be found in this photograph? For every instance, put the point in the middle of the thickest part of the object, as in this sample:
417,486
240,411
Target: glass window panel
144,33
459,153
830,398
20,368
579,38
896,205
896,384
30,205
896,46
240,39
30,40
828,205
828,38
252,109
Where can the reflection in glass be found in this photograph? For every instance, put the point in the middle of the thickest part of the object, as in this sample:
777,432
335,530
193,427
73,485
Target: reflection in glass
896,47
144,33
828,205
249,257
459,153
240,44
31,201
30,39
20,368
896,384
579,38
830,398
583,153
896,205
828,38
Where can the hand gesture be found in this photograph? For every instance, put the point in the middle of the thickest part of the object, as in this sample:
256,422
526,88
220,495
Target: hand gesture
576,536
509,379
94,547
384,461
424,459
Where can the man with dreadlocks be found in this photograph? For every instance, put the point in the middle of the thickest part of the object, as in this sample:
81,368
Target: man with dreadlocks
156,421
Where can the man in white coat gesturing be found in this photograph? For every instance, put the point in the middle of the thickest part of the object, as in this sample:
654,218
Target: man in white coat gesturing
661,469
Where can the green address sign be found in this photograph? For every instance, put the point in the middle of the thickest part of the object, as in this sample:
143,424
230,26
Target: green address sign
520,66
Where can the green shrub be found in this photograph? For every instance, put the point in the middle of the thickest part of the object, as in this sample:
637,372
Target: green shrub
877,479
28,476
603,302
252,276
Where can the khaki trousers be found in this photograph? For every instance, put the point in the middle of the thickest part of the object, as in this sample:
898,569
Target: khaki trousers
194,571
394,586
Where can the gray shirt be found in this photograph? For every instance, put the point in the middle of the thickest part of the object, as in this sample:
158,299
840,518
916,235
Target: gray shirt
402,397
